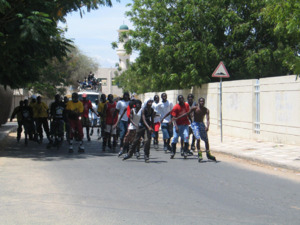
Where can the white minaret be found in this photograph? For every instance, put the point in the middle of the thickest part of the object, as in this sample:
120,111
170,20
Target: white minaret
123,57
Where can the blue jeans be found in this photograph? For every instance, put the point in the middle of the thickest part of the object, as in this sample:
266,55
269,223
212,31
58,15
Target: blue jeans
183,133
167,130
123,129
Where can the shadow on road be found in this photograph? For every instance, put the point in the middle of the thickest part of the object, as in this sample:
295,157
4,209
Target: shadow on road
12,149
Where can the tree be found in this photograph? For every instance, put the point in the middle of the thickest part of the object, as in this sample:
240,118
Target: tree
181,43
61,73
30,37
286,17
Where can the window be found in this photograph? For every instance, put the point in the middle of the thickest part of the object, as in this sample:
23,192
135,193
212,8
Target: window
103,81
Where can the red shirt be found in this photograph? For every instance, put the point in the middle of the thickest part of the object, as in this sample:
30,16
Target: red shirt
111,107
178,110
87,105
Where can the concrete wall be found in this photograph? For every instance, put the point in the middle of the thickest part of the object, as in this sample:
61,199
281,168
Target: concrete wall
109,75
279,108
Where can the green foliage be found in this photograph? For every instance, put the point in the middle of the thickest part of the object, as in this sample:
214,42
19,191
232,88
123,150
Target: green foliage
30,38
181,43
286,17
60,73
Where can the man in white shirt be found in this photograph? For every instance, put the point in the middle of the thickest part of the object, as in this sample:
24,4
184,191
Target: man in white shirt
121,109
164,109
155,106
95,120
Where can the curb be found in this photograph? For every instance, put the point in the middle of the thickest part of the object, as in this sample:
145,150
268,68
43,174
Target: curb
261,161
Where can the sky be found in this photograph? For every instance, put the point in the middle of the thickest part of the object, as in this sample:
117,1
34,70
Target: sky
96,30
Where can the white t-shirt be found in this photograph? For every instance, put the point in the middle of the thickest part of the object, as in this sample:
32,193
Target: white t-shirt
157,110
121,106
136,119
92,115
163,108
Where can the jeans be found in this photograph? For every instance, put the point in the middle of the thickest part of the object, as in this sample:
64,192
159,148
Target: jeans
123,128
167,130
183,133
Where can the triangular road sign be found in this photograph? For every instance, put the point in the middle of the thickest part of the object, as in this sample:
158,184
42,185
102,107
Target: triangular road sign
221,71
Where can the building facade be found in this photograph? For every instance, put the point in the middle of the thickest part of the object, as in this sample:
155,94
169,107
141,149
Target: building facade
107,75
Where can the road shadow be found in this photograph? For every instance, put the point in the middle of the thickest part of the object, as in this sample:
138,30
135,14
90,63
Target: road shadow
39,152
195,157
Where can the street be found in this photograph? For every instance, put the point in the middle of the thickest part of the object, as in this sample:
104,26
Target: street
50,186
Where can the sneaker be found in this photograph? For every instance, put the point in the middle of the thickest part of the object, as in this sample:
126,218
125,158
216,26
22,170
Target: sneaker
81,149
181,151
120,153
126,157
169,147
190,153
211,157
165,149
185,154
193,148
172,155
137,154
200,156
146,158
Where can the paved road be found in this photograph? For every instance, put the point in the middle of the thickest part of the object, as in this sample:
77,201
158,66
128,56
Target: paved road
40,186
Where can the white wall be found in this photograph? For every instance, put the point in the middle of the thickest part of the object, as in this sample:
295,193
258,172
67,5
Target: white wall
279,107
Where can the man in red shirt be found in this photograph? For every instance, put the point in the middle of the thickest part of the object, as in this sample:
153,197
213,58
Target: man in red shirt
111,120
181,125
87,106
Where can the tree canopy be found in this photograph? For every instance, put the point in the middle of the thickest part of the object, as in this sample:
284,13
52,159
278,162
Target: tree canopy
180,43
61,73
30,37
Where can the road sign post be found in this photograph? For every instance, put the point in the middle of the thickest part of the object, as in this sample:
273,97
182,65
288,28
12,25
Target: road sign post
221,72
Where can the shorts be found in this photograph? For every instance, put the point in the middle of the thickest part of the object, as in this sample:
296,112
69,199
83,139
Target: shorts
156,126
199,131
109,129
129,137
75,125
183,133
85,121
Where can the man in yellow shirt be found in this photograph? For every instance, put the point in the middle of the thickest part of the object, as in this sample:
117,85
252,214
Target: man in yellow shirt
101,109
42,118
74,109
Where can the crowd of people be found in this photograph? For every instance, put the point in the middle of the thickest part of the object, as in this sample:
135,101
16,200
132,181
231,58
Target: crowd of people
89,82
126,120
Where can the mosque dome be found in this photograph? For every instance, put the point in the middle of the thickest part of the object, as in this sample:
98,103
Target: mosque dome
124,27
